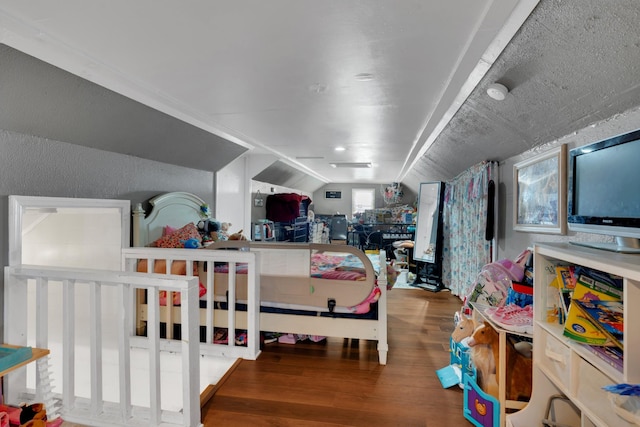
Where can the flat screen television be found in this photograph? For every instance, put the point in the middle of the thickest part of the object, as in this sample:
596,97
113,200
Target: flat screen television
604,191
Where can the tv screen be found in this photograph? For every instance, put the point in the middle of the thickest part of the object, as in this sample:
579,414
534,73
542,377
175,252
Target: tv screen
603,193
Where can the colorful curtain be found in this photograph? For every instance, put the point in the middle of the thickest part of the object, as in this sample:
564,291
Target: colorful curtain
465,247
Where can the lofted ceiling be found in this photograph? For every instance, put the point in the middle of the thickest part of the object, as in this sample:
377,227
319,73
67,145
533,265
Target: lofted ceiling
399,84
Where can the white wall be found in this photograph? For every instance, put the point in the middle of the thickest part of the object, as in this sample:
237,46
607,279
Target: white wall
232,196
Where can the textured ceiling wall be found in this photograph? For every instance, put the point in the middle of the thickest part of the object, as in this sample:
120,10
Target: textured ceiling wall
570,65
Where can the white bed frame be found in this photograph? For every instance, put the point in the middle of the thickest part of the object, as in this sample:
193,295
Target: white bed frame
179,208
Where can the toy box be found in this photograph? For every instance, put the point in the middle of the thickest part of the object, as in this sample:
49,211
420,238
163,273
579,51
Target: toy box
459,363
480,408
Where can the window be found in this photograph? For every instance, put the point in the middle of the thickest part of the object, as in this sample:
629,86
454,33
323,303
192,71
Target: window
362,199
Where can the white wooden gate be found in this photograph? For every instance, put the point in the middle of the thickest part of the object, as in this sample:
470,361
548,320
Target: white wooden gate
95,410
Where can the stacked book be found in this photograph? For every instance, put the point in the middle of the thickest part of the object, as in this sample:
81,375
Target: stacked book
595,315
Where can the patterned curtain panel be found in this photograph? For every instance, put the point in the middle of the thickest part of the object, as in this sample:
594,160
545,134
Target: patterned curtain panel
465,248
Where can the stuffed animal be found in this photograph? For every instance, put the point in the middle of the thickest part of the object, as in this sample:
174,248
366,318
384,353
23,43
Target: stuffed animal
481,354
518,367
237,236
223,234
209,229
464,327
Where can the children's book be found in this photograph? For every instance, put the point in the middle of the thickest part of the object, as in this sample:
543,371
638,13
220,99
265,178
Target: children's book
580,328
589,288
610,280
612,355
606,316
566,279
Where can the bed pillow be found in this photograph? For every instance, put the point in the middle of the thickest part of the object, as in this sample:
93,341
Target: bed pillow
178,237
167,229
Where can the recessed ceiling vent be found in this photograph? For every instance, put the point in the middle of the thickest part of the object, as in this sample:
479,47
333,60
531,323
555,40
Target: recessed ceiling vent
357,165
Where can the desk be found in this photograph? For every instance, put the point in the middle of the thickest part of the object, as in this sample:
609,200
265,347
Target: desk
379,235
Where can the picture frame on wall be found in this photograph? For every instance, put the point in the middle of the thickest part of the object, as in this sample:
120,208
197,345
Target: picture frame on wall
540,193
333,194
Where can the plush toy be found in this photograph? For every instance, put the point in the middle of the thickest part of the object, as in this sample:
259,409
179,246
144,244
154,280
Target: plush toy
209,229
223,234
464,327
481,354
192,243
518,367
237,236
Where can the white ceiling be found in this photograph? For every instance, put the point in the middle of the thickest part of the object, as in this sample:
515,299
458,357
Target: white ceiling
283,76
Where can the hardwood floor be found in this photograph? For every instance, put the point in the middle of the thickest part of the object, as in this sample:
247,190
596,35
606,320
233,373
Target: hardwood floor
340,383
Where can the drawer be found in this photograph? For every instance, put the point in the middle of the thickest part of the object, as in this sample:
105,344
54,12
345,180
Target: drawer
554,358
596,402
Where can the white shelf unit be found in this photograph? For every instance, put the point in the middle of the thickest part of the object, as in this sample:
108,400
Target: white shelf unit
564,366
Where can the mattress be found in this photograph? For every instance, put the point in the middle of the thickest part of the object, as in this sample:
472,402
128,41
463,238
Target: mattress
290,281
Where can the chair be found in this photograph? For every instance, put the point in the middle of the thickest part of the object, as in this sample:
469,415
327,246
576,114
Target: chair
374,241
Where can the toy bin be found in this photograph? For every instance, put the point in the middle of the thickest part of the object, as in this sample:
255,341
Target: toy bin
460,355
480,408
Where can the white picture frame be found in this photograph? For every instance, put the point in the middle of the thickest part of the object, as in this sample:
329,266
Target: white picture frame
540,193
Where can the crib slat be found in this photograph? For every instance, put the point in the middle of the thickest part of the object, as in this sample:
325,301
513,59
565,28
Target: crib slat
253,308
231,304
95,302
68,343
42,320
42,314
124,354
190,342
153,336
210,331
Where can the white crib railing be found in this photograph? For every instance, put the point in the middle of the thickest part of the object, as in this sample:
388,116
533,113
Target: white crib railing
95,410
209,314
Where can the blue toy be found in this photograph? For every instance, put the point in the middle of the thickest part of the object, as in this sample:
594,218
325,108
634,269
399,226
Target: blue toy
191,243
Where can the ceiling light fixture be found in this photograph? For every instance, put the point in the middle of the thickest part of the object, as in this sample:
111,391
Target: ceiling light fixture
497,91
357,165
340,149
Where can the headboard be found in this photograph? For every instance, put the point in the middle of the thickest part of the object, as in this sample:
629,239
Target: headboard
174,209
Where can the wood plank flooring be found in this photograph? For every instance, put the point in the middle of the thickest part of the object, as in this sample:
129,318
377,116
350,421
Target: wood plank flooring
340,383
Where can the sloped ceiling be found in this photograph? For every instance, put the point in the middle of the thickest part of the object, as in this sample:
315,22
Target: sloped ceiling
40,99
295,79
280,173
571,64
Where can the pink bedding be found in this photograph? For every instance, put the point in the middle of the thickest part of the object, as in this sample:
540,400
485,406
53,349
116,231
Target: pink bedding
323,266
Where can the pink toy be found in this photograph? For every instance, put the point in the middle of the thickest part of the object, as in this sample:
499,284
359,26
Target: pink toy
365,305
